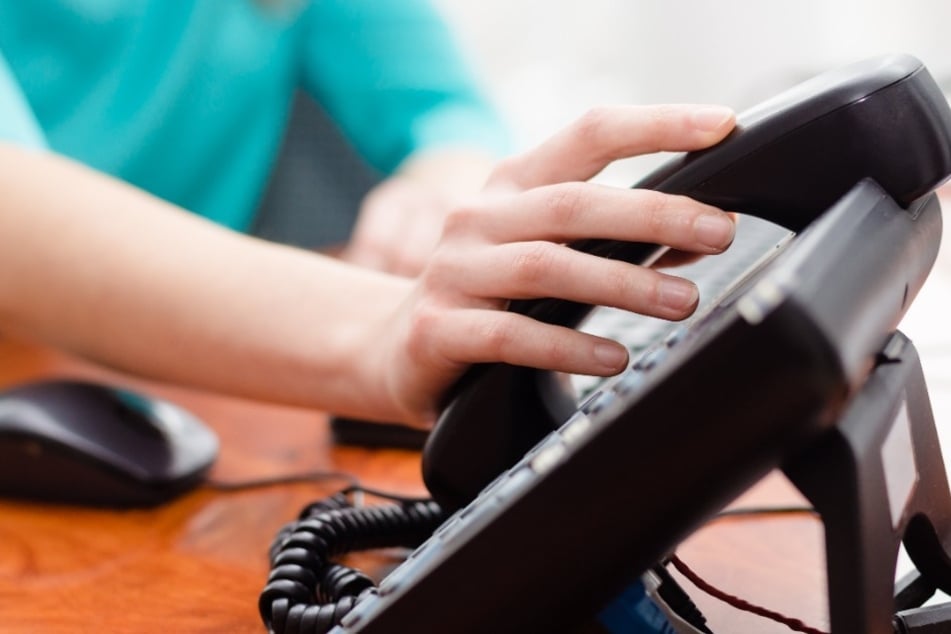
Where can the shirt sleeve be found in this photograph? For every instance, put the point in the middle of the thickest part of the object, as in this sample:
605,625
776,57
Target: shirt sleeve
17,123
390,74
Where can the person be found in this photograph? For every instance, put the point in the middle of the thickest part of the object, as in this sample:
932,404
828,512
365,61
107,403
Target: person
105,270
189,101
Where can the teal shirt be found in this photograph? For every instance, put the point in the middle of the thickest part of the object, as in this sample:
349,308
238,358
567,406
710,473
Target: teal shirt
17,124
189,99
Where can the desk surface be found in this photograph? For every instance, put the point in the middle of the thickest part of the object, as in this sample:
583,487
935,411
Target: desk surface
198,564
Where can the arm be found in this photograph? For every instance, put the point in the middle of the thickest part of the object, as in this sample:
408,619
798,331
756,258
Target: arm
400,219
102,269
109,272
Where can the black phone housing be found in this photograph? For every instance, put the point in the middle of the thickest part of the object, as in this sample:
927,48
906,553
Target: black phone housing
788,161
616,488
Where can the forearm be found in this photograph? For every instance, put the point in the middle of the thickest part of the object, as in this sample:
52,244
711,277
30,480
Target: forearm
106,271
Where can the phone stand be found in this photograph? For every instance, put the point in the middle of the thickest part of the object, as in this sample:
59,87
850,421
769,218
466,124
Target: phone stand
877,479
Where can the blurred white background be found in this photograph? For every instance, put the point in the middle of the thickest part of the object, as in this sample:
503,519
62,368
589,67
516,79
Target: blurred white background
547,62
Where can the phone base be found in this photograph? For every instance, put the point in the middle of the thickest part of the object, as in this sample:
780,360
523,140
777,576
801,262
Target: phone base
877,478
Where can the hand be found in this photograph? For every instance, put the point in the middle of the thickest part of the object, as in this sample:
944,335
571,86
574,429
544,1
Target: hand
400,219
508,243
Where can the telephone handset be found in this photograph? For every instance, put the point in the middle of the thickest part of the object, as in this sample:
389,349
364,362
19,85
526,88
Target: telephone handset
787,161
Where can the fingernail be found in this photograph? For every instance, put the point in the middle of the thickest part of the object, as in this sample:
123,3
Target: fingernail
677,294
710,118
611,355
714,231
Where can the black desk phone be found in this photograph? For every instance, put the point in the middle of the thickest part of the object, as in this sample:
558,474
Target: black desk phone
559,507
787,161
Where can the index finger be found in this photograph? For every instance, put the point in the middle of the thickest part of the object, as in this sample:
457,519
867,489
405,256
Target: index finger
607,134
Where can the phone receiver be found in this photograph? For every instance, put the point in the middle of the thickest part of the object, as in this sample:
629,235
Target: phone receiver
787,161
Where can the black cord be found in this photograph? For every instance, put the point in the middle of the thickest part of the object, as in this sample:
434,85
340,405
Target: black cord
386,495
310,477
679,601
308,592
279,480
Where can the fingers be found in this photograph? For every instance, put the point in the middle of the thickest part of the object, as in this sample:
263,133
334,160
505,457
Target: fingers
606,134
509,244
398,227
542,269
369,245
478,336
406,257
441,341
487,258
574,211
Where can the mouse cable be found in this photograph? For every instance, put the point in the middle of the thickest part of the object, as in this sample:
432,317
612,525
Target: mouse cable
355,488
282,479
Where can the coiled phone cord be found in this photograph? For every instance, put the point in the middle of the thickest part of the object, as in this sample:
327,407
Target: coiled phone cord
308,593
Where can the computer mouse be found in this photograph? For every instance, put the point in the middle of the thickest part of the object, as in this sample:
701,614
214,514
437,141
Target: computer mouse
86,443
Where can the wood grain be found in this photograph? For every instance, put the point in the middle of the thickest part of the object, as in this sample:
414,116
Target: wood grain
197,565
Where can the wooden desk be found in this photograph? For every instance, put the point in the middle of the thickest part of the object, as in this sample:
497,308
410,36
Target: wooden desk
198,564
